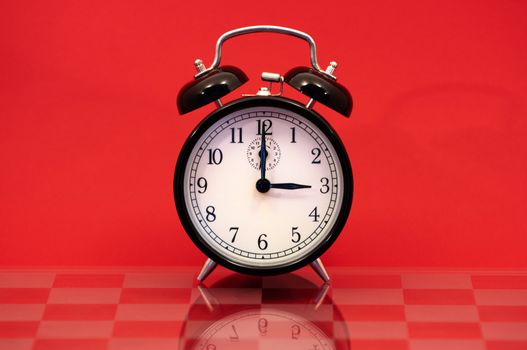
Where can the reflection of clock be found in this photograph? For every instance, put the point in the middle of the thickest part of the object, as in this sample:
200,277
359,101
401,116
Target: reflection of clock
263,185
290,313
267,327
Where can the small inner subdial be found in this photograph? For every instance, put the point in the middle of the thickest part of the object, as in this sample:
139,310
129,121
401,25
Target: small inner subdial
272,153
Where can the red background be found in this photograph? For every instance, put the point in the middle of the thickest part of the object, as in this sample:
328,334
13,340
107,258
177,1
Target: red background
90,133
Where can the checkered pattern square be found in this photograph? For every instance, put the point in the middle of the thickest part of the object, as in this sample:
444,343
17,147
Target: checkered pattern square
410,310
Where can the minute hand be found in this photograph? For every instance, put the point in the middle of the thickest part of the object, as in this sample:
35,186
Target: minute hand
263,156
289,186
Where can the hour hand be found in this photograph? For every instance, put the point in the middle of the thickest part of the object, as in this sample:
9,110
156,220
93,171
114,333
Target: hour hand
289,186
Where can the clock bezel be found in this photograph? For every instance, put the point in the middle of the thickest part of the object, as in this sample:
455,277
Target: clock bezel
263,101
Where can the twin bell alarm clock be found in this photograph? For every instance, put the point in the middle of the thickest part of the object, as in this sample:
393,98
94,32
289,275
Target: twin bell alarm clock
263,185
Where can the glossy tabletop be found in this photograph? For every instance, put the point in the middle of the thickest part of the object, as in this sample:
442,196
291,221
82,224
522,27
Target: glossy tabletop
164,308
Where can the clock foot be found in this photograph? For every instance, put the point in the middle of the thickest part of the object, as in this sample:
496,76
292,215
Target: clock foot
320,270
207,268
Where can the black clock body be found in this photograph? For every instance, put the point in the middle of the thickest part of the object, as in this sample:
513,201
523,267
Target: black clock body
228,109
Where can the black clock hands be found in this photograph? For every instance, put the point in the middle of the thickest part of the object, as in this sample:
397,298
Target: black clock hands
263,185
263,154
289,186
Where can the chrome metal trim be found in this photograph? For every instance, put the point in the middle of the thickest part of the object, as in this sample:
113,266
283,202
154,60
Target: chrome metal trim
267,91
320,270
265,29
207,268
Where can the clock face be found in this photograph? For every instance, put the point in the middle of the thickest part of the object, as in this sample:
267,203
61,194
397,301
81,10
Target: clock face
235,222
264,329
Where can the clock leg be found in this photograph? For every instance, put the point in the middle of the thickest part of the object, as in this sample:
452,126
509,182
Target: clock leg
207,268
320,270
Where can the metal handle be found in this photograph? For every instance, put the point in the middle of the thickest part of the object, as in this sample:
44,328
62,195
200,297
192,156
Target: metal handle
264,29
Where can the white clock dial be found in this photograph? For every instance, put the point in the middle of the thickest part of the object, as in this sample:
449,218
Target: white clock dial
272,229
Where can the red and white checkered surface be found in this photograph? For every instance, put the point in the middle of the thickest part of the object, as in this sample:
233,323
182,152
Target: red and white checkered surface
161,309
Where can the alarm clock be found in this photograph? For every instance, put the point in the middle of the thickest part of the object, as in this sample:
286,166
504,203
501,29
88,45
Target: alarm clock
263,185
273,313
